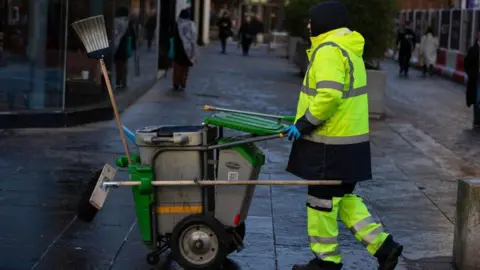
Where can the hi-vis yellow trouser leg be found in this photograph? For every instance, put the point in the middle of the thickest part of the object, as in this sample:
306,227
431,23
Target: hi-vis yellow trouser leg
323,227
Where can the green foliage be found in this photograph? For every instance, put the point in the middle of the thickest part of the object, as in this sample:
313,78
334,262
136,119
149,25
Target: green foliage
374,19
296,17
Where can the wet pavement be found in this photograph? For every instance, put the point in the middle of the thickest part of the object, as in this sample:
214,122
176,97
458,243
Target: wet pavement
419,151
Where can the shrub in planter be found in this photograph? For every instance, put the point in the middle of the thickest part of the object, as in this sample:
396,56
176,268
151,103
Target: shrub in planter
296,17
374,19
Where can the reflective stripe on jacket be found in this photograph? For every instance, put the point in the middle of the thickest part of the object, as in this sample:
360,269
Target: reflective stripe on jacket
333,96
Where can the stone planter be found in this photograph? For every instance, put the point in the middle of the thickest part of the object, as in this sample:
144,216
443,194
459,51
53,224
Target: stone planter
376,85
292,47
301,58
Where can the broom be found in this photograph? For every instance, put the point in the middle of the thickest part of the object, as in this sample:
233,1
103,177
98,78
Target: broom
93,35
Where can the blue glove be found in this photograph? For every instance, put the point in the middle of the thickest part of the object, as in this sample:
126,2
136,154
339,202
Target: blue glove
293,132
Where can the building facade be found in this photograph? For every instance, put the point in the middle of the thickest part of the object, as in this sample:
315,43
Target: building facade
428,4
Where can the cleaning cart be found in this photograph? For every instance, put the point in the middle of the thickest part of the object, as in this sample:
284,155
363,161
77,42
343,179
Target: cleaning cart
192,186
200,224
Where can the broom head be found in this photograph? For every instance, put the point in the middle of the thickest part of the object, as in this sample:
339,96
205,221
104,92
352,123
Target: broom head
93,34
94,196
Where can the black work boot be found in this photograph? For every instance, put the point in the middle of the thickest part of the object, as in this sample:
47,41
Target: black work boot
388,254
318,265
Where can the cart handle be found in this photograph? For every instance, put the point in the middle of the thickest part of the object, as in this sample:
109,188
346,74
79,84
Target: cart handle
226,183
278,117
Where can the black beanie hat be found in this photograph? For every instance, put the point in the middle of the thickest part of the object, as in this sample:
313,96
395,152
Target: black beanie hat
327,16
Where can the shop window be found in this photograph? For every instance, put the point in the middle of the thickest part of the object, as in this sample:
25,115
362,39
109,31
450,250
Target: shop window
434,23
128,68
32,58
418,24
476,25
444,28
466,30
455,30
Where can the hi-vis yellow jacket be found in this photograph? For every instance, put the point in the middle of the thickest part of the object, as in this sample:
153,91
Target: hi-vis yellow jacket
333,97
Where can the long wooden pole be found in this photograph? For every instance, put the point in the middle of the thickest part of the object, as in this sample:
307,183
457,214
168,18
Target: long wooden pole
228,183
115,109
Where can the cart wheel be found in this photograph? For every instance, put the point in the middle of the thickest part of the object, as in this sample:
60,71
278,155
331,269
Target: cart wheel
199,242
240,230
153,258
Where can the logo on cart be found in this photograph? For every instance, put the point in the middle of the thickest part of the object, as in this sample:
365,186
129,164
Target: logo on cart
232,165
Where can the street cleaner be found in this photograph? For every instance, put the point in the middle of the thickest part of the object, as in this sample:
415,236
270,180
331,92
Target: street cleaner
331,142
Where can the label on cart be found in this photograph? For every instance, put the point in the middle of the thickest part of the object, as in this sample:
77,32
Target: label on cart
232,176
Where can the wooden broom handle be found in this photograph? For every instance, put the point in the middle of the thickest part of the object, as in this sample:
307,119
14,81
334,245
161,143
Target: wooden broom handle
230,183
115,109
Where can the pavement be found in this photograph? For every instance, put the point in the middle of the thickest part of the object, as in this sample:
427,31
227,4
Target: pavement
418,152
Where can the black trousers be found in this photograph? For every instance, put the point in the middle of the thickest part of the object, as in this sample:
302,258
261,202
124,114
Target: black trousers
476,109
476,115
404,61
427,68
121,72
246,43
150,36
223,41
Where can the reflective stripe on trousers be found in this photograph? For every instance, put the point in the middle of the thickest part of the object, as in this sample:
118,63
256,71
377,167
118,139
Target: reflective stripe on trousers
325,241
367,229
323,227
319,203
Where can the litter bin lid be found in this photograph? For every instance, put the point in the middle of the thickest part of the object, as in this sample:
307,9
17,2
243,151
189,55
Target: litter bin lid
245,123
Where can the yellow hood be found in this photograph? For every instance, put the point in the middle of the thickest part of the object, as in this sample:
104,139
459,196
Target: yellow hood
351,41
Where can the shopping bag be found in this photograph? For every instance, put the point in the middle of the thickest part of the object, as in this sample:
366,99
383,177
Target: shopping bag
421,60
171,51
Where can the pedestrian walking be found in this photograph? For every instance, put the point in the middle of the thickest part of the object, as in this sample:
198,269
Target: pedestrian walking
184,49
331,142
406,41
471,67
258,28
428,51
150,27
224,30
125,44
246,35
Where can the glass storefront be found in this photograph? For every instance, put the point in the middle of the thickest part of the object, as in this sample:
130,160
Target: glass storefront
43,65
32,54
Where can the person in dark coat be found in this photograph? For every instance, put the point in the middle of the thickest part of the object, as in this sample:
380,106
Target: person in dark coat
471,67
246,34
150,27
406,40
125,42
184,49
257,26
224,30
